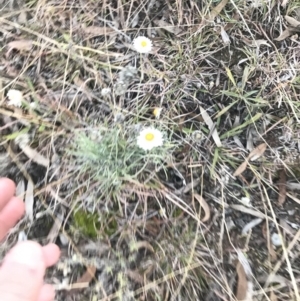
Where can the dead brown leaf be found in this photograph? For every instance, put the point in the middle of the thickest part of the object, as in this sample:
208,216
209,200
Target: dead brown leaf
135,276
254,43
242,284
54,231
168,27
204,205
19,45
211,126
236,16
257,152
282,187
287,228
95,31
285,34
211,15
216,10
273,296
284,3
143,244
241,169
224,36
22,19
34,155
85,279
292,21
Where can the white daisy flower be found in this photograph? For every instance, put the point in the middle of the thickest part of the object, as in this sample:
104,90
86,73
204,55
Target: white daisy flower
142,44
15,98
149,138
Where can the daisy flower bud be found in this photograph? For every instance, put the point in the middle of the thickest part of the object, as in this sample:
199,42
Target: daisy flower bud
156,112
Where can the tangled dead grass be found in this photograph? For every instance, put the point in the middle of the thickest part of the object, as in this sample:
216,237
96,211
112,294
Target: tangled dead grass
214,213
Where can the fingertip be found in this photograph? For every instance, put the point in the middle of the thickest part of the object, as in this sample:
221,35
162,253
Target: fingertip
10,214
7,190
51,254
7,183
47,293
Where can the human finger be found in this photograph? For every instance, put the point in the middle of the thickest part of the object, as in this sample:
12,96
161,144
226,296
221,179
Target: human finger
51,254
47,293
10,214
22,272
7,190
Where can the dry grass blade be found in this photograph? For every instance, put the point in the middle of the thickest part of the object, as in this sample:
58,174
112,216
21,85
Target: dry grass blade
282,187
204,205
34,155
270,247
257,152
293,186
29,200
251,225
293,197
254,155
240,169
211,125
248,211
53,233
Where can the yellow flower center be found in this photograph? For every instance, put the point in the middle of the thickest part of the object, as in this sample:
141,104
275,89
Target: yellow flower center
143,43
149,137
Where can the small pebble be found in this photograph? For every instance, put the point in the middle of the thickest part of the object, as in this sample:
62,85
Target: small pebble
276,240
22,236
246,201
63,239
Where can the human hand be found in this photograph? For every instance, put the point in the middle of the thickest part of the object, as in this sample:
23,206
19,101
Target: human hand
23,269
